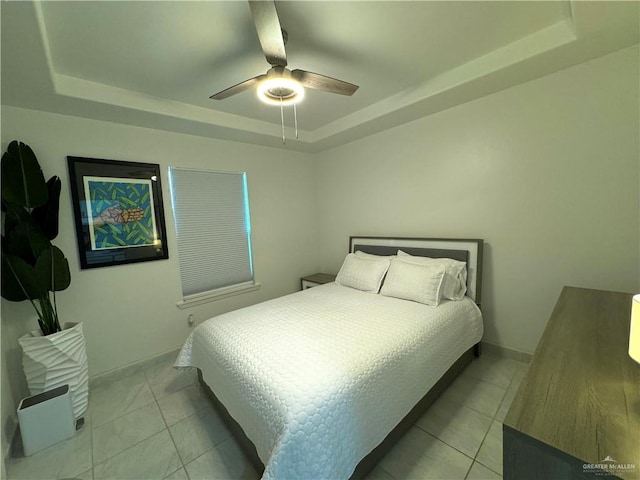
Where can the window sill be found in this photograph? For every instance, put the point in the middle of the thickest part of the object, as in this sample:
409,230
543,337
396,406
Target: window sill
214,295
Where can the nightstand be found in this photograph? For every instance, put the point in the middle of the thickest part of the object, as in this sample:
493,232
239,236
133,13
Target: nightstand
315,280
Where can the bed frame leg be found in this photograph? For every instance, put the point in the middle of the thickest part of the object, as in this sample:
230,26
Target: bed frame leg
476,350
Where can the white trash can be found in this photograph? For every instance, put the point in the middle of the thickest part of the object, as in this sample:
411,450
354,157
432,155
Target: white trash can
46,419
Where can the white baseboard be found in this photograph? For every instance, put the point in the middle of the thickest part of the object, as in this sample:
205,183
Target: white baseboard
111,375
505,352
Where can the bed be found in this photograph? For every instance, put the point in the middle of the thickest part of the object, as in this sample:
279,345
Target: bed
321,383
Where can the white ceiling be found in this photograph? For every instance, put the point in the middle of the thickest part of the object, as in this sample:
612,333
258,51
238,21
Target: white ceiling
155,64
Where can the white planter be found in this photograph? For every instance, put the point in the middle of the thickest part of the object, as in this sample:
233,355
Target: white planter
56,360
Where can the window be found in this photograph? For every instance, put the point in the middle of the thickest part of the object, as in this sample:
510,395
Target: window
213,227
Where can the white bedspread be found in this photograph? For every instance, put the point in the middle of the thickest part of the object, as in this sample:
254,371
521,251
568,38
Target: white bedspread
318,378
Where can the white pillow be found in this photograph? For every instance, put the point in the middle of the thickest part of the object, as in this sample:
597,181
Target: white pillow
371,255
455,280
412,281
362,273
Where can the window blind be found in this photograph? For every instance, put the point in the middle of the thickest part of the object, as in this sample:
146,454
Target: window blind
213,228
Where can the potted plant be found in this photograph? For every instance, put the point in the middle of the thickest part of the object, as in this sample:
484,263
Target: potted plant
33,270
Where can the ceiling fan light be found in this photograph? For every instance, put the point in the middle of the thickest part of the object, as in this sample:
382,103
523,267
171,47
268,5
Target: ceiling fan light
280,91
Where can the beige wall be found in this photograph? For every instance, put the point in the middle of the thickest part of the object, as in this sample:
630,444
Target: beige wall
545,172
129,312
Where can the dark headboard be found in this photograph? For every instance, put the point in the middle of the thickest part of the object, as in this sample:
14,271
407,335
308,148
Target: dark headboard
462,249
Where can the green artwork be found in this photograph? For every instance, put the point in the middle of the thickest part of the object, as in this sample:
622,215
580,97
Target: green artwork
120,212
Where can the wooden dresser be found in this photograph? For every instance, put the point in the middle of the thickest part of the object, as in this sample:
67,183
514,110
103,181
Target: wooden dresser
577,412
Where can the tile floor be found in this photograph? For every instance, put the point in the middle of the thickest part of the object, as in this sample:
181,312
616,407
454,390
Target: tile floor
156,423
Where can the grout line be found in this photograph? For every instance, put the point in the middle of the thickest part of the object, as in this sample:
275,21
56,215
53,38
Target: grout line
471,407
91,425
378,465
484,439
511,383
450,446
469,471
193,414
125,412
475,457
454,447
188,416
488,468
177,470
131,446
175,445
158,398
166,424
493,419
203,453
479,377
495,384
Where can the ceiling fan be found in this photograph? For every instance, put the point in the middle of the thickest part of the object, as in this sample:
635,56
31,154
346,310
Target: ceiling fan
279,85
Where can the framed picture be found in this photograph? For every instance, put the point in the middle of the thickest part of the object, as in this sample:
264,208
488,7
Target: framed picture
118,211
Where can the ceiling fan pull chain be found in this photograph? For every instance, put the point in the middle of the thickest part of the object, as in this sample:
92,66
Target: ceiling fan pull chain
295,119
282,120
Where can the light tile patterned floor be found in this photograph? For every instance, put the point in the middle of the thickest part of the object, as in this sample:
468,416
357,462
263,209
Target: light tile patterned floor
155,423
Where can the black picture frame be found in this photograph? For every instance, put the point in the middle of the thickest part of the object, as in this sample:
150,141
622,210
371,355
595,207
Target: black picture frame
118,211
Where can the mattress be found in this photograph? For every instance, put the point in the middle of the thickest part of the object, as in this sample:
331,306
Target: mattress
318,378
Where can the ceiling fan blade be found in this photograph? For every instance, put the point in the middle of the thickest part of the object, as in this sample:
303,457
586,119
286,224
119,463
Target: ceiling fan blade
269,31
237,88
324,83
